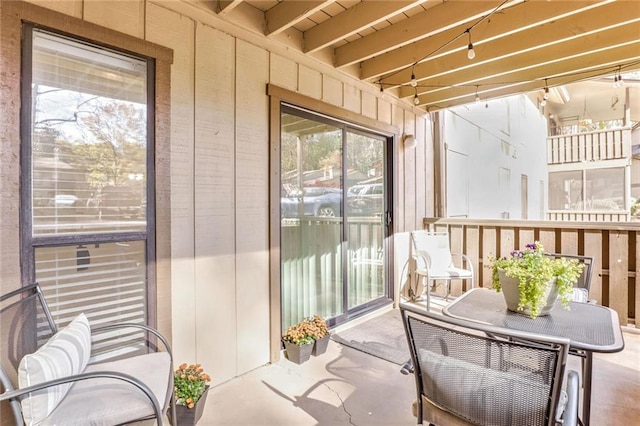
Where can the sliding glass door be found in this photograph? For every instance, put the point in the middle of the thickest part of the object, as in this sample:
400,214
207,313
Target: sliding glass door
334,216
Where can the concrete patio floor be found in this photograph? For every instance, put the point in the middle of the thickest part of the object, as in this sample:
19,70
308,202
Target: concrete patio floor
348,387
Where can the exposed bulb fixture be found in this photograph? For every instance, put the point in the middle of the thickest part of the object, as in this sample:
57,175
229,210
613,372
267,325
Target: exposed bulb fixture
617,79
543,102
416,99
546,90
477,96
470,52
414,82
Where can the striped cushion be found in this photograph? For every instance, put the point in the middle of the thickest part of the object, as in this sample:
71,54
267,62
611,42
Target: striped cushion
65,354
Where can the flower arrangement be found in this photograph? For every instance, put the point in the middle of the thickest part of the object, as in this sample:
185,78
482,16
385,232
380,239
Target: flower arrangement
306,331
535,271
318,326
299,334
190,382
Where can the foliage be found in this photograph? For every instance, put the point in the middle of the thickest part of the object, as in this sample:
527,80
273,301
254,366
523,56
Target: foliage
306,331
535,272
319,327
190,382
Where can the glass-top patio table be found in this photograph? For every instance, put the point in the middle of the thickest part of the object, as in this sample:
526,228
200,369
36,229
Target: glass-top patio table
591,328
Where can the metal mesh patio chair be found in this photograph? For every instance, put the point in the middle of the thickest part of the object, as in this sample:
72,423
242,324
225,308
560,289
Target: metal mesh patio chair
47,375
434,261
474,374
582,287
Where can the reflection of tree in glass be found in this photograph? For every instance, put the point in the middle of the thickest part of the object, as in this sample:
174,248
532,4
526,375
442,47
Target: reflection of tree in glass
324,150
118,147
364,153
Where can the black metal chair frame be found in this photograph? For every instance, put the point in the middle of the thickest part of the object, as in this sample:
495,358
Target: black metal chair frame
33,293
506,339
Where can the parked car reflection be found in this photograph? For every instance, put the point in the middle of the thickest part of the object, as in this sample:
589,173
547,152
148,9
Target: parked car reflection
313,201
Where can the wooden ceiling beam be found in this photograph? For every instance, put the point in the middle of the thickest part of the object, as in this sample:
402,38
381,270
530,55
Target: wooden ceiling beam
614,55
551,41
360,16
434,20
502,92
287,13
528,15
570,70
223,7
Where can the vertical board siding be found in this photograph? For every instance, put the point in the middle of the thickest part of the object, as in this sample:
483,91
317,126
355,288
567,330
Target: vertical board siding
214,203
71,7
124,16
309,82
615,279
352,100
283,72
593,247
618,267
332,90
219,181
177,32
252,213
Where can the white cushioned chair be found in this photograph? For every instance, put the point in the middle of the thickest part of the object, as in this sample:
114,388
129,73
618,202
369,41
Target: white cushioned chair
435,262
49,378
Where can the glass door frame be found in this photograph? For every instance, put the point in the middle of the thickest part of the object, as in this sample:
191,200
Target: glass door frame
349,127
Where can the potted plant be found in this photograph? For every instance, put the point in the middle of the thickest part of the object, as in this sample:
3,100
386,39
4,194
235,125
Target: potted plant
298,341
531,281
190,386
320,333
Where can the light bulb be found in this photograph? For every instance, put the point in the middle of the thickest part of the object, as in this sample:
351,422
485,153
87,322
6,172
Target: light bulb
416,100
414,82
470,52
543,102
546,93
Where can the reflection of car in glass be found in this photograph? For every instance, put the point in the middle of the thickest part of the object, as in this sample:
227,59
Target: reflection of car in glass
314,201
63,201
117,202
366,199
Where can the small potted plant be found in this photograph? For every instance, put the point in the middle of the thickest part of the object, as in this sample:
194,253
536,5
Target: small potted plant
531,281
320,333
298,341
190,386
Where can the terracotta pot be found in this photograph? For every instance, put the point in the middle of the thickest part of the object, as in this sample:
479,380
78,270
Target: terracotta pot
320,345
511,292
189,416
298,353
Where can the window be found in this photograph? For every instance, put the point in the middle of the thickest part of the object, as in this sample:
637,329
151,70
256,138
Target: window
87,156
589,190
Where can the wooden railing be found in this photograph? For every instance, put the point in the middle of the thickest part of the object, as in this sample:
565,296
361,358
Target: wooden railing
591,146
614,246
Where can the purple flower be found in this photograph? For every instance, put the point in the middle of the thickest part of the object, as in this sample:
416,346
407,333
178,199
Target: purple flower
532,246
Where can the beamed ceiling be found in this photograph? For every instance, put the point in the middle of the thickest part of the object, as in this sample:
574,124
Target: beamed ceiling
520,46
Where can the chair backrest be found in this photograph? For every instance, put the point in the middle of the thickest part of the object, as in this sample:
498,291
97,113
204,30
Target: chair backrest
480,374
584,281
25,325
434,247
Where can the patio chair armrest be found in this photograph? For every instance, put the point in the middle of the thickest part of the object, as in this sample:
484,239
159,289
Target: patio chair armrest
146,328
424,258
466,259
570,416
17,394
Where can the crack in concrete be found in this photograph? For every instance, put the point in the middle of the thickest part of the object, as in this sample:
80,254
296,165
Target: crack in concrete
344,408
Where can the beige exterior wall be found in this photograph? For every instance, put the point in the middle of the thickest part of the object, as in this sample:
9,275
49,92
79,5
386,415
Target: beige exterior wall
219,170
